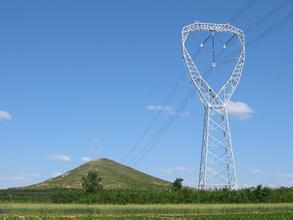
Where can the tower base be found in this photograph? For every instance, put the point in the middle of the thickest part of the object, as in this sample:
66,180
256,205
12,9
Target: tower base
217,168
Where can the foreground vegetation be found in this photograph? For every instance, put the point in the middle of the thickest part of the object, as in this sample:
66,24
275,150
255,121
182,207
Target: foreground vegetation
170,202
257,194
187,211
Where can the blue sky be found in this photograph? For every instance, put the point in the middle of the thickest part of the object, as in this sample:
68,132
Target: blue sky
81,73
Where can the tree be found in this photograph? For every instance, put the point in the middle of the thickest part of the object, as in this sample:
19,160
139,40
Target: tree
177,184
91,182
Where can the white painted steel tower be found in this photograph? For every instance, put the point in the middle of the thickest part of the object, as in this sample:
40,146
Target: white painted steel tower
217,168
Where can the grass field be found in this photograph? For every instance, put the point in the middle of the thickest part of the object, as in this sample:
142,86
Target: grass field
184,211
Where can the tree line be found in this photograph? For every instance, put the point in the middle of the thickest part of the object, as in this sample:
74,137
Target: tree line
93,193
257,194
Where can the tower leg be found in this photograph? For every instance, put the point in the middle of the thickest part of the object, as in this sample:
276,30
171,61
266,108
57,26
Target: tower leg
217,168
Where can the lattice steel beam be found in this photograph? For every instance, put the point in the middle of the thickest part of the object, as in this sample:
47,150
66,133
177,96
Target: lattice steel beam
217,167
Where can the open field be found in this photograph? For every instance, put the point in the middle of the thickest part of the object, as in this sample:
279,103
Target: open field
182,211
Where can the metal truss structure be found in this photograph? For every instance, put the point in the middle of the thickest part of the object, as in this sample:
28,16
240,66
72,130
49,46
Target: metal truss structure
217,168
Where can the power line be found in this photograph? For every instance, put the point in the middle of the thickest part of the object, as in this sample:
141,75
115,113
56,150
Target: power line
242,10
184,103
261,20
270,29
156,116
154,119
267,31
164,128
157,137
268,14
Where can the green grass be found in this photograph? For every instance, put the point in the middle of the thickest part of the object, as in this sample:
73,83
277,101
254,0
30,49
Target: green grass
282,211
113,174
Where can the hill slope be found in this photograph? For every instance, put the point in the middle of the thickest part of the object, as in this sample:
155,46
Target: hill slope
113,174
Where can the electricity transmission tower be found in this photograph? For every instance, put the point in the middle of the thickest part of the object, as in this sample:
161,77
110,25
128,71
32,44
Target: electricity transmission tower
217,168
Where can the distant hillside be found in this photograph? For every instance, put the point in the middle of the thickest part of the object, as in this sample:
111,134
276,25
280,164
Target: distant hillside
113,174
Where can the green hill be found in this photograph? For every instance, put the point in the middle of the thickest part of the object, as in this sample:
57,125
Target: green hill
113,174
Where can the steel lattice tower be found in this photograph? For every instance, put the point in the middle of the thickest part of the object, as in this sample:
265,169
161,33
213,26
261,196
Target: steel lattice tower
217,168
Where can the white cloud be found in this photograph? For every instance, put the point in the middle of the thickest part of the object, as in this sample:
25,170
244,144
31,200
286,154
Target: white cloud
177,169
168,110
183,114
60,157
239,110
159,108
285,175
254,171
5,116
86,159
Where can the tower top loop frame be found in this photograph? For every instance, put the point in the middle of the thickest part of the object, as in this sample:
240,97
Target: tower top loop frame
207,94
